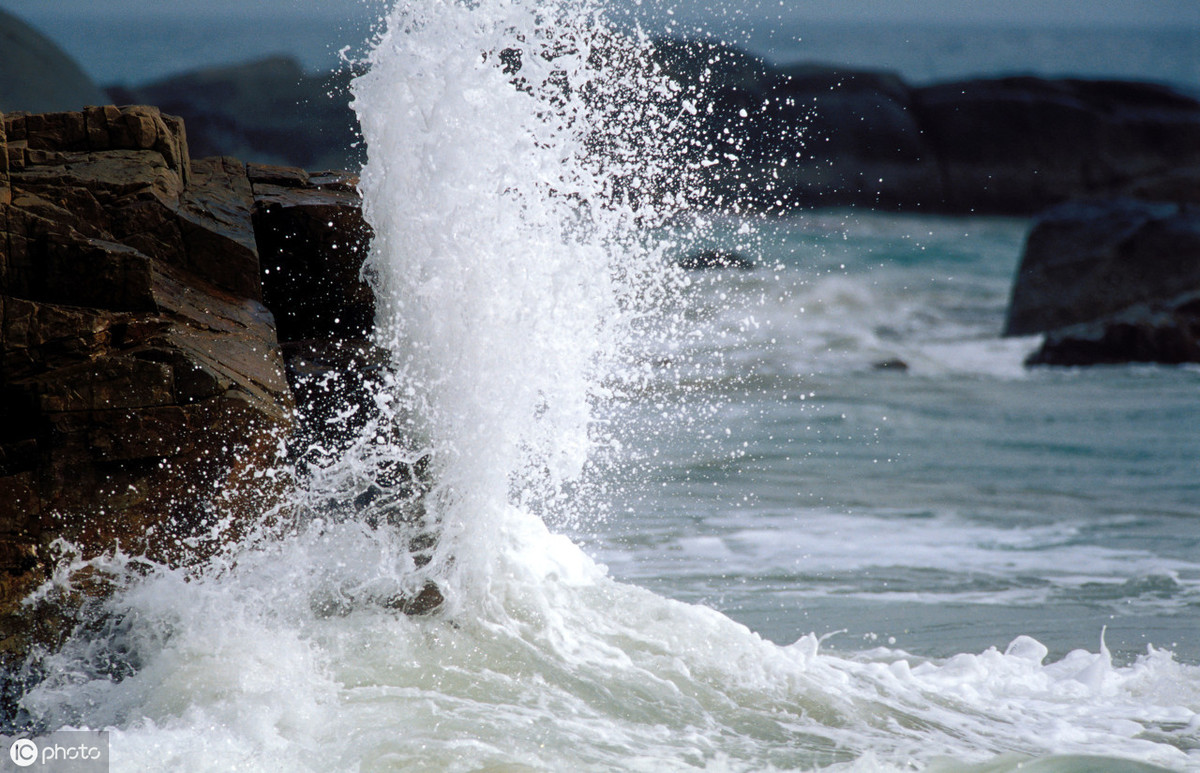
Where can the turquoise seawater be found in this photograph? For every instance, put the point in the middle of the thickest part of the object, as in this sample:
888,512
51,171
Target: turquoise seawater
943,506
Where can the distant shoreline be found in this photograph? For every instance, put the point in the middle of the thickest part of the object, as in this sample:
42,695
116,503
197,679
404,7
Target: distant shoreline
131,48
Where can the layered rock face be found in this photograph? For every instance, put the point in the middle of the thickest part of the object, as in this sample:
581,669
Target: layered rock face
141,381
312,240
149,402
1109,281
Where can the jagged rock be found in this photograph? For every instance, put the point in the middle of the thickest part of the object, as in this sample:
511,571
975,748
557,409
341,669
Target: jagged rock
312,240
36,75
141,382
1114,280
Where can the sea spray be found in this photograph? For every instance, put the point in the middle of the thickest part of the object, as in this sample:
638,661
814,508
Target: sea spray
510,182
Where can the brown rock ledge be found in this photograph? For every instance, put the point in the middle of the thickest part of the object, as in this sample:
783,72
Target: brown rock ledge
141,380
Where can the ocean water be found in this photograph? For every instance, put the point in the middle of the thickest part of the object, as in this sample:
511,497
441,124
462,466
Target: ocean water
810,515
127,44
945,505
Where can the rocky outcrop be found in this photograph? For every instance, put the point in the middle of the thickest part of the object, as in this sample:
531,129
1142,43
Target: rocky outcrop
782,138
1166,333
267,111
312,240
1107,281
36,75
1019,145
863,144
147,394
805,136
141,384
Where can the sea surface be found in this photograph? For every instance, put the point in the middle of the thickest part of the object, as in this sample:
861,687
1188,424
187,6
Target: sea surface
814,514
116,45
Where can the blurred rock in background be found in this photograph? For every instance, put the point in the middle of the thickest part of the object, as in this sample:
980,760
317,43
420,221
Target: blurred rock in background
35,74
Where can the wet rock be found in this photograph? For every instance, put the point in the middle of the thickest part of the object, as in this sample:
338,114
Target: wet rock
312,240
1113,280
142,388
895,364
334,382
1167,333
428,600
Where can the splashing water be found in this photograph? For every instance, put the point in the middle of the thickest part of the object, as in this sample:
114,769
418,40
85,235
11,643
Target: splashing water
508,195
517,158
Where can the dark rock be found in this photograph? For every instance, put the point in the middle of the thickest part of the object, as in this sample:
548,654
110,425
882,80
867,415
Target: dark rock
36,75
1181,185
735,123
141,382
428,600
1111,281
766,138
894,364
1018,145
328,376
215,226
715,259
773,139
312,240
862,142
1087,260
1165,333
